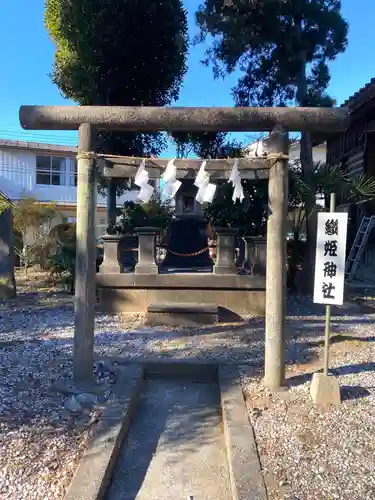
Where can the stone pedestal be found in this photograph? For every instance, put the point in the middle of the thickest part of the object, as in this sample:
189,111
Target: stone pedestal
225,251
146,250
325,390
128,252
240,262
111,257
256,255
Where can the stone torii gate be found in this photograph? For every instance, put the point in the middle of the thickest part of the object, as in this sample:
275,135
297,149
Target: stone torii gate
91,119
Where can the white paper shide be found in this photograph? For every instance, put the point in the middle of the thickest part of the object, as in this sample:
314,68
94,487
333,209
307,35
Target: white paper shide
141,180
235,179
172,185
330,258
206,190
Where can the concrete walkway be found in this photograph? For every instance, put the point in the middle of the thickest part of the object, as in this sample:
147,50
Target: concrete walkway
175,448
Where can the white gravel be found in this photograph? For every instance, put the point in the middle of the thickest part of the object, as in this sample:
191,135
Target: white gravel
307,454
303,452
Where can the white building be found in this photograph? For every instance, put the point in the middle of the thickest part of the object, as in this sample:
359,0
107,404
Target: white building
48,173
319,151
319,157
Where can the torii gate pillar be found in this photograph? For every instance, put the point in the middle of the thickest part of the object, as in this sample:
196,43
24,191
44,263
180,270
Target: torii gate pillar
274,369
85,286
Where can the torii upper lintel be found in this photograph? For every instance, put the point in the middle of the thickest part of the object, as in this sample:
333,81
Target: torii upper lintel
185,119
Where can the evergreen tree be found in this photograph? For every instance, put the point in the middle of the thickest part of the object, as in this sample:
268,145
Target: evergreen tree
282,48
121,52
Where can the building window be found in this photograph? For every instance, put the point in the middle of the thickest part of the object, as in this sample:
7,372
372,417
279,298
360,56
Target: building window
56,171
69,220
73,174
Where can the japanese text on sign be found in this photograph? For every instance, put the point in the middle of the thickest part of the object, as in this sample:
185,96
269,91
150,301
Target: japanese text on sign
330,258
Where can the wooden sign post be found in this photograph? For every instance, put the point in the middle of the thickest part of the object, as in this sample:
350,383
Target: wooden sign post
329,290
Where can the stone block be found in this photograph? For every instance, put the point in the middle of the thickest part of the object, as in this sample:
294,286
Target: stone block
256,255
238,296
325,390
96,466
243,461
225,263
176,314
196,371
111,262
146,269
147,252
7,282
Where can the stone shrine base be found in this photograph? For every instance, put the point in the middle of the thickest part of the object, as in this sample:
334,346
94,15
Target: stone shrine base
236,297
177,314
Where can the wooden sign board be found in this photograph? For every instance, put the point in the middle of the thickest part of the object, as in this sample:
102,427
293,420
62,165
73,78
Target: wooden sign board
330,258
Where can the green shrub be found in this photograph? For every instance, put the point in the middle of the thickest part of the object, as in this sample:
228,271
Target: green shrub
61,260
156,213
62,265
61,256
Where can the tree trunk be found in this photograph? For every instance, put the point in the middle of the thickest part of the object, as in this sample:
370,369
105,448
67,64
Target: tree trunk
310,208
307,166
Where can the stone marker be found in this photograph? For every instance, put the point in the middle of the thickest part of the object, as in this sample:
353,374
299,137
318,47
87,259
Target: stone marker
7,281
325,390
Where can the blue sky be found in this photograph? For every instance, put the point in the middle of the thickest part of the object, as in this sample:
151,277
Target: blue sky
27,56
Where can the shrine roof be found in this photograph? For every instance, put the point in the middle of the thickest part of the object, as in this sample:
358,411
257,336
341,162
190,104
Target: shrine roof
361,97
355,104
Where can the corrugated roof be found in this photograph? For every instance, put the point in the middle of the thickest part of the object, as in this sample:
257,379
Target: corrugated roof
38,146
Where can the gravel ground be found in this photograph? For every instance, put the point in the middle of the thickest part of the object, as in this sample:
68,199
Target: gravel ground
307,454
303,452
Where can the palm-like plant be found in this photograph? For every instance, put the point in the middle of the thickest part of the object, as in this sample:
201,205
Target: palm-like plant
326,179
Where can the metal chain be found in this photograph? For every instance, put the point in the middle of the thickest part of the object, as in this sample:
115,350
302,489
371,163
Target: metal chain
194,254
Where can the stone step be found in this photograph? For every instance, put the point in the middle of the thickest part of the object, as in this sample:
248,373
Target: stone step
178,313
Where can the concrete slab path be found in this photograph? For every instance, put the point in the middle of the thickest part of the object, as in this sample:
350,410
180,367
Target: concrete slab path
175,447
